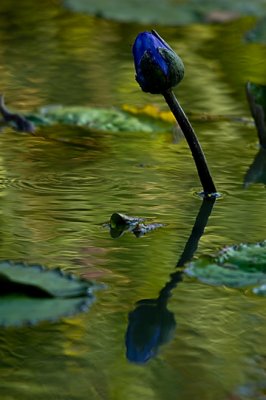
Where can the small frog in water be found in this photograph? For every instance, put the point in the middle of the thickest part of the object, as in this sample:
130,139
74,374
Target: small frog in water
18,122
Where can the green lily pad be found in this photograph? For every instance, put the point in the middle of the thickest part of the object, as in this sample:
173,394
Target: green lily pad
19,310
257,170
246,257
29,294
97,119
241,266
167,12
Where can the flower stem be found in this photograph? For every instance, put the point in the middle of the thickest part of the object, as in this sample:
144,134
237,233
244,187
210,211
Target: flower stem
209,189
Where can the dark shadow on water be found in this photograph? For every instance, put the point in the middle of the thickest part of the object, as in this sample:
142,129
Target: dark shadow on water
257,170
256,96
151,324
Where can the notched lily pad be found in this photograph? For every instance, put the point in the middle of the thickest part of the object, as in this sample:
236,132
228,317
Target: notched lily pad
241,266
120,224
19,310
29,294
96,119
247,257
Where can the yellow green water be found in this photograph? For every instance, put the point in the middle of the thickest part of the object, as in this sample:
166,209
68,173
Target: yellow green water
54,199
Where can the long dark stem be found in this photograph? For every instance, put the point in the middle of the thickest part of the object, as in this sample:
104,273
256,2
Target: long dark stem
209,188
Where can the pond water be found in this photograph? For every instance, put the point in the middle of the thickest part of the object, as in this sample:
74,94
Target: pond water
55,199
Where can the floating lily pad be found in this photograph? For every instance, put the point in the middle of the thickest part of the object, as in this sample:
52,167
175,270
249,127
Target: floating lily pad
29,294
18,310
97,119
247,257
239,266
166,12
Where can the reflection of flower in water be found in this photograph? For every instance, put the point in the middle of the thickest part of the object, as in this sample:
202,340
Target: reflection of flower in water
150,325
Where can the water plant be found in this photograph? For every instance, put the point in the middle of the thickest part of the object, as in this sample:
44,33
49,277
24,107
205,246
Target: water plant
158,70
30,294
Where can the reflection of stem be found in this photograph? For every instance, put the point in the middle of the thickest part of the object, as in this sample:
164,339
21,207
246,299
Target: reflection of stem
197,231
190,247
151,324
196,150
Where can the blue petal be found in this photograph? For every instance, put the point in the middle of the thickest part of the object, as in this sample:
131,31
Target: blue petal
151,43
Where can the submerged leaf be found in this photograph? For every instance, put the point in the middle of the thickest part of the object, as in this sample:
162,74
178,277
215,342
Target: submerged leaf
29,294
121,223
119,220
239,266
142,229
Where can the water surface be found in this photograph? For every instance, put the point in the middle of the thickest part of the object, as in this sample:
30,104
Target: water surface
55,197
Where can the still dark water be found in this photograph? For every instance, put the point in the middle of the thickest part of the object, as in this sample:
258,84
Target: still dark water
54,199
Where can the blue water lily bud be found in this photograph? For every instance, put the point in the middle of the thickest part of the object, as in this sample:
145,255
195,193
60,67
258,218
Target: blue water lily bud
158,67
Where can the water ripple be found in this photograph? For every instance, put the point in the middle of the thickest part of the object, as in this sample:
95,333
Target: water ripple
52,183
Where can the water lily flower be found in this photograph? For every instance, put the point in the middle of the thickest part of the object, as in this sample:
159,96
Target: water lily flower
158,67
158,70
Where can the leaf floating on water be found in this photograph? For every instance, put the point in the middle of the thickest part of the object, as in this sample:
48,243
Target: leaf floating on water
55,282
30,294
121,223
19,310
96,119
247,257
166,12
241,266
208,271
